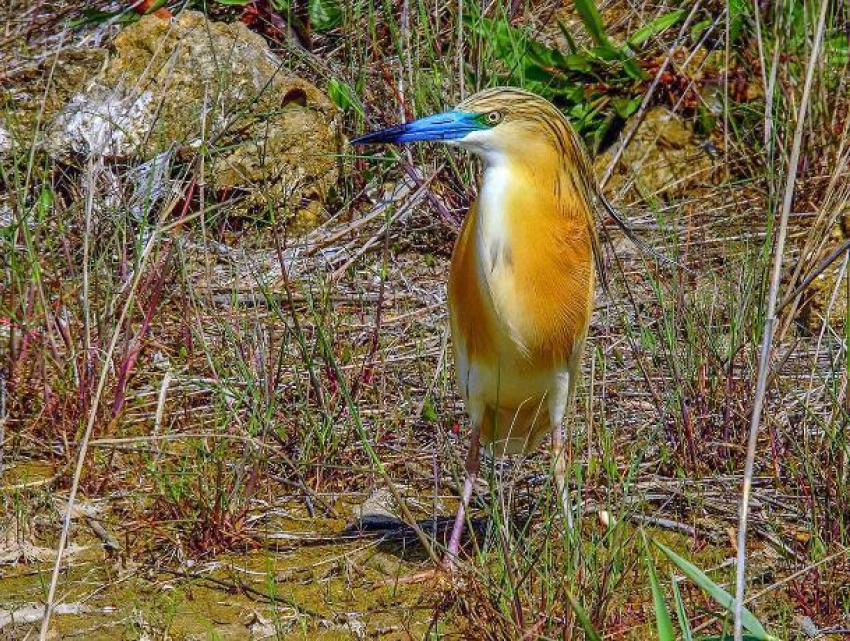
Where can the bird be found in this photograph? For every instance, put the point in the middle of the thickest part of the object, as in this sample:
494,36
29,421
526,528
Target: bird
522,277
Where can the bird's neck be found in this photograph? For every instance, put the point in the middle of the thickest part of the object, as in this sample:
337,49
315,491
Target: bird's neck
516,193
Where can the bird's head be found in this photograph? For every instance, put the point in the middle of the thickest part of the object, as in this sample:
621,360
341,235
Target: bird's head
497,123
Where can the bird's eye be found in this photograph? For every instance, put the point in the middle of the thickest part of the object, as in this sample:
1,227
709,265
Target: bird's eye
494,117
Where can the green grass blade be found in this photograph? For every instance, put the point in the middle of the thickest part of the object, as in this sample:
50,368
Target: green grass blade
344,97
721,596
583,619
662,616
592,21
659,25
681,614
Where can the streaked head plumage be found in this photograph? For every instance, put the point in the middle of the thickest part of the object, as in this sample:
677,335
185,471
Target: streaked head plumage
500,120
519,123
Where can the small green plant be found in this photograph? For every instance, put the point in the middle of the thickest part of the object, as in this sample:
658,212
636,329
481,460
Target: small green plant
598,86
754,628
324,15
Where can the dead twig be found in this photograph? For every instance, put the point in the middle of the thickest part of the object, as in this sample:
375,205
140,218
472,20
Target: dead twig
770,321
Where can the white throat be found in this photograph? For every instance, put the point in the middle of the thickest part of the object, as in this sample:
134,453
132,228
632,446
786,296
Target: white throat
493,233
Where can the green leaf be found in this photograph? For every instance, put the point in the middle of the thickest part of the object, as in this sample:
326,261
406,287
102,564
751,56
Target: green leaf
659,25
577,62
837,51
607,53
429,411
662,617
508,44
699,29
325,14
592,21
343,96
634,70
571,43
535,73
681,615
721,596
706,120
738,11
583,619
625,107
45,204
98,16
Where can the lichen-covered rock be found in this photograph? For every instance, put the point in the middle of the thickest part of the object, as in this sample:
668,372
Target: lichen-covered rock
663,160
34,93
189,81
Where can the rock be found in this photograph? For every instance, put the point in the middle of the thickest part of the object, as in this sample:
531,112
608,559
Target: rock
6,139
664,159
35,92
271,135
376,513
807,626
102,122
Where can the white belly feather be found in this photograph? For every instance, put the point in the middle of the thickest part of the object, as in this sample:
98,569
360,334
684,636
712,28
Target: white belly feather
509,380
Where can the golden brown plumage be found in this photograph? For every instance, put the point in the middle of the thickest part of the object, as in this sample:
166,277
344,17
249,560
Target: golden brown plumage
522,273
521,281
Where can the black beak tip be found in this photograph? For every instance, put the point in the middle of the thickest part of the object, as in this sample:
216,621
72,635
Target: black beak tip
390,135
375,138
365,139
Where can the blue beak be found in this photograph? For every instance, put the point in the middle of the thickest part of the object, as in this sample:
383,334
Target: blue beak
449,125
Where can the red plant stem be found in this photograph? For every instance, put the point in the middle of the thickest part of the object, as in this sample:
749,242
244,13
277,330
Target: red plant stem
132,356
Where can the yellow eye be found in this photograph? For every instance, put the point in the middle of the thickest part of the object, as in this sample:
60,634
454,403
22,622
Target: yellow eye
494,117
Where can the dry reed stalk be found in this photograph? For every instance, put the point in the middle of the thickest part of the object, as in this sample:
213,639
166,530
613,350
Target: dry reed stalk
92,415
770,321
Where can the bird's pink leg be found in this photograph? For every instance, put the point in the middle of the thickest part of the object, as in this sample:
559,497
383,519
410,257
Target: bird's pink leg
473,457
560,453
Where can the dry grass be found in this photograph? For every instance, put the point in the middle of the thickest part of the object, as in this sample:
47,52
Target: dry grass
244,389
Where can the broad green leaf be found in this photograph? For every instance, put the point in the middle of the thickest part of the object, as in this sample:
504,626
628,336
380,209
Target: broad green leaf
662,617
325,14
577,62
344,96
633,69
592,21
721,596
539,74
681,614
45,204
571,93
508,43
659,25
583,619
625,107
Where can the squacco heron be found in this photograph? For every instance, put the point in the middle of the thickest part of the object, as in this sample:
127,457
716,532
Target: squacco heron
521,282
